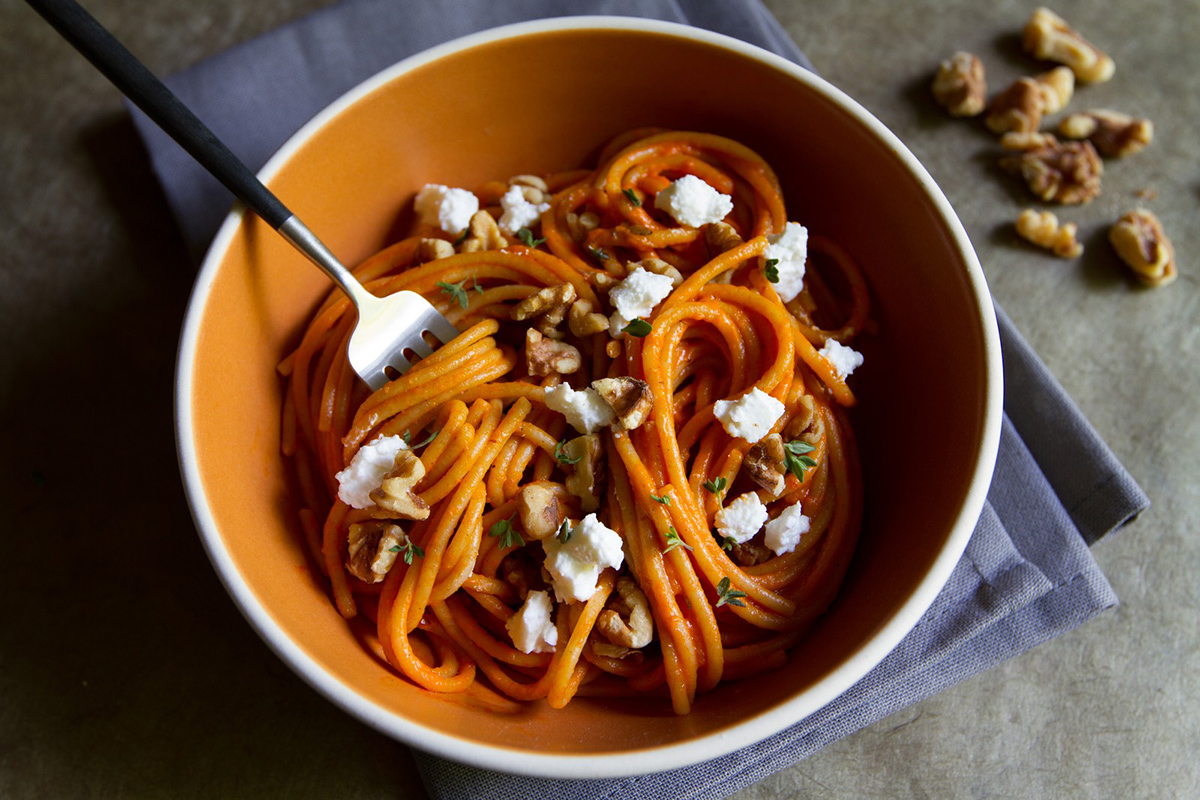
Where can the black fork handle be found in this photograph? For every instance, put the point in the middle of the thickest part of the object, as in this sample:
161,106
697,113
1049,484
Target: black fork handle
137,83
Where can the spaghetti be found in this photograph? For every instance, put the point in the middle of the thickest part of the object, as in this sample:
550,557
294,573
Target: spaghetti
705,429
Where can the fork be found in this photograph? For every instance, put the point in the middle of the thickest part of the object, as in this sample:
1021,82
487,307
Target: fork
388,328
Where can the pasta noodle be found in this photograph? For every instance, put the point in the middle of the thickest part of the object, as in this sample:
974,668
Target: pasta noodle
722,405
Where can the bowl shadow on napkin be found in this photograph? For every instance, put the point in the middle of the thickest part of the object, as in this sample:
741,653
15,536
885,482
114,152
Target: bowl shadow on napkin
126,656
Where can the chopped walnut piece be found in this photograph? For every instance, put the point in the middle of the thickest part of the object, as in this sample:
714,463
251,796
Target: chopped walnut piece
1067,173
519,570
1031,140
544,356
580,225
373,547
629,398
803,419
627,621
960,86
483,233
613,348
1056,86
747,554
721,236
533,188
1048,36
550,302
659,267
1114,134
583,321
603,281
395,498
433,249
1018,108
1140,241
584,476
540,511
764,463
1043,230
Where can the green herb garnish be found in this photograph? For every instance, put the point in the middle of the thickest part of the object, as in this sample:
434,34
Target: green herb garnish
561,457
716,486
638,328
632,196
771,270
794,458
725,542
408,440
526,237
664,499
564,532
674,541
506,533
598,254
455,290
728,596
408,549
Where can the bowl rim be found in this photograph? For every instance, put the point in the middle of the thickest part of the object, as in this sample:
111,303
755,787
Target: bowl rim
626,763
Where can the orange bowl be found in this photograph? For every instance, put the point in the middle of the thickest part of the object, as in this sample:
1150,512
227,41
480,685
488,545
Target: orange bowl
536,98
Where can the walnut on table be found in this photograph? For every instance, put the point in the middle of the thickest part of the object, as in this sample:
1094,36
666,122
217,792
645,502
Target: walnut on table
1112,133
1048,36
1140,241
1027,140
1018,108
1056,87
1066,173
960,85
1043,230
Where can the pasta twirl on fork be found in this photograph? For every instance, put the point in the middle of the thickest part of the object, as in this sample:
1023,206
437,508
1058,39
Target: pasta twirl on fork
631,474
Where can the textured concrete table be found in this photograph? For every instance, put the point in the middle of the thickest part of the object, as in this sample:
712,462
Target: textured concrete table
125,671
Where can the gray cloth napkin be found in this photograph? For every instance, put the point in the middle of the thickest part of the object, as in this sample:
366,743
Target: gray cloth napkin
1027,574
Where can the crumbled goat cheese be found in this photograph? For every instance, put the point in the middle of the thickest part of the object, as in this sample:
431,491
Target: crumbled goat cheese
586,410
844,359
790,249
449,209
367,469
532,628
751,416
742,518
519,212
783,533
693,202
575,567
636,296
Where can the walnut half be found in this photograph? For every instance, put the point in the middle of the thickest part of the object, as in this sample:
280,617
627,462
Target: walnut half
960,86
585,454
395,498
1114,134
1067,173
1018,108
1140,241
540,511
629,398
627,621
1048,36
765,464
373,547
544,356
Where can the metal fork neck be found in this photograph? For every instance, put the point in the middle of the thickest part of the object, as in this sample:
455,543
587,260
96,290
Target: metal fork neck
307,243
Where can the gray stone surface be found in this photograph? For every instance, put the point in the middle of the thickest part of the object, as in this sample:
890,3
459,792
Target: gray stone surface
126,672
